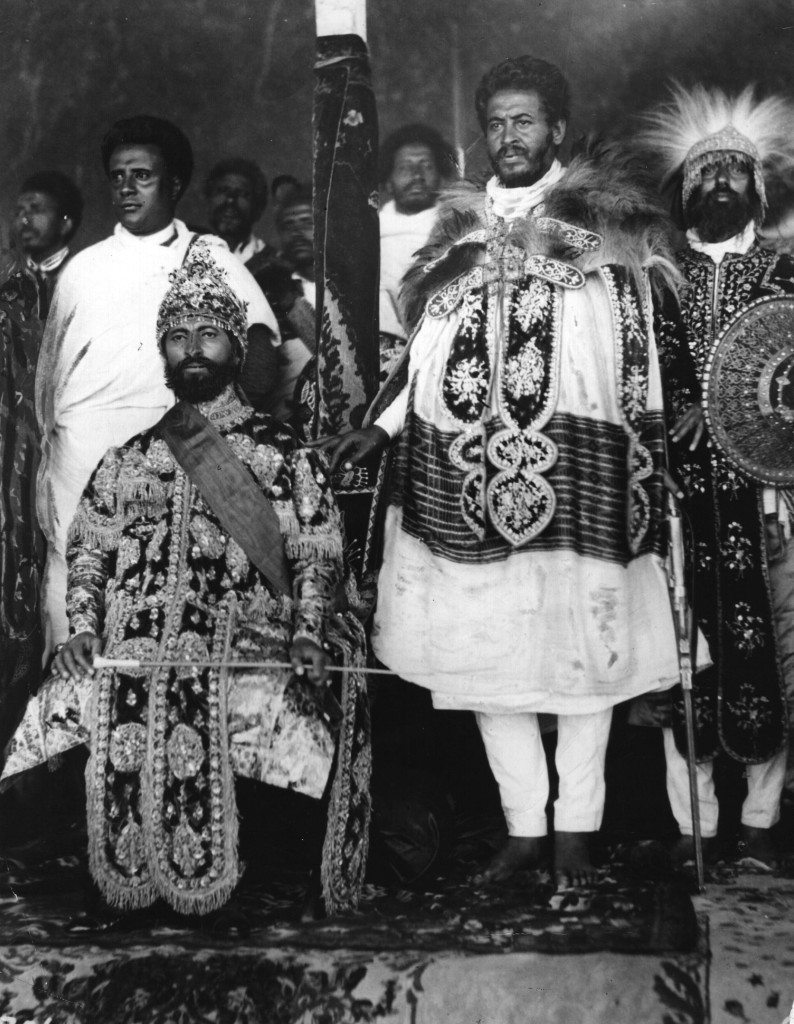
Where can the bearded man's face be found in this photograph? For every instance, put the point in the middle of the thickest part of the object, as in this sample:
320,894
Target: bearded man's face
725,201
520,139
200,361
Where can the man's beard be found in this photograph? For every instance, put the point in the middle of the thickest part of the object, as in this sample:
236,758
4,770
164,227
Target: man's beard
717,220
521,179
415,202
200,387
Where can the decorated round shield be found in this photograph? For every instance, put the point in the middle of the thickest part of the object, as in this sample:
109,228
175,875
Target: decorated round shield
748,391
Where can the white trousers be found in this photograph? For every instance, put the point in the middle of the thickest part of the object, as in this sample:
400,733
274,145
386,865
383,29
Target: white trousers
761,808
765,781
518,761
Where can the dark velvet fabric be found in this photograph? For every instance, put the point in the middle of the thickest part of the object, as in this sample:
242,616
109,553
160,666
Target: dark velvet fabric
346,233
21,542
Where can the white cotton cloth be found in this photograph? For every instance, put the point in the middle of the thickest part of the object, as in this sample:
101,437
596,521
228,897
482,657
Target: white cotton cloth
341,18
518,761
716,251
293,355
542,631
761,807
512,203
100,373
401,235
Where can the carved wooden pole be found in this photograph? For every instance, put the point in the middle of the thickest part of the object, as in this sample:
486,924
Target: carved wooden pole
347,238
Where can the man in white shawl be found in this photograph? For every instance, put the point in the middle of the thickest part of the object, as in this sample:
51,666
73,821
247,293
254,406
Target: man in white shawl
524,533
99,382
414,162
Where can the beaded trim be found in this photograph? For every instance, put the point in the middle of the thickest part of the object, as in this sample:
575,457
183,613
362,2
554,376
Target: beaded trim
518,501
632,343
225,411
512,267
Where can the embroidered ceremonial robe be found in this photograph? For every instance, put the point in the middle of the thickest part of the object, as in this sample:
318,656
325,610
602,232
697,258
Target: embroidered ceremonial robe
740,704
100,375
154,573
524,534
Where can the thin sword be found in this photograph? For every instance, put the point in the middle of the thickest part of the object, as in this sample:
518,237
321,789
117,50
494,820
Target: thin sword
127,663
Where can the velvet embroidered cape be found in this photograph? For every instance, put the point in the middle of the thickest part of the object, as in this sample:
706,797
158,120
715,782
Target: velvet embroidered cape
152,571
740,704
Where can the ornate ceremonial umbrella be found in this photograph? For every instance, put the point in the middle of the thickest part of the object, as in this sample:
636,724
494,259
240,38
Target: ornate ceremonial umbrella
748,391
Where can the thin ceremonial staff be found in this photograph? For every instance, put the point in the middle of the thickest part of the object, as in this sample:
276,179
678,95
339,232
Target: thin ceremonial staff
126,663
684,623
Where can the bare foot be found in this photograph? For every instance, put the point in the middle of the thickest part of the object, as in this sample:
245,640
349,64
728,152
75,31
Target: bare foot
573,868
518,854
683,852
755,844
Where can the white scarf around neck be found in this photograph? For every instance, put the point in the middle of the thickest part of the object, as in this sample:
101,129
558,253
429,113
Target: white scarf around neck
716,251
511,203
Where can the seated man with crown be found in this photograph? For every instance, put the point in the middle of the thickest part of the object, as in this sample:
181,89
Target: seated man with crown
205,565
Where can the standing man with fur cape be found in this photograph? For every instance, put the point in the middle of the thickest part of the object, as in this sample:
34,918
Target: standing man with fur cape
524,534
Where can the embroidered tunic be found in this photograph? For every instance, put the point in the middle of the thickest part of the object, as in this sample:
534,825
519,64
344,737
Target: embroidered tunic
740,705
98,383
153,572
523,543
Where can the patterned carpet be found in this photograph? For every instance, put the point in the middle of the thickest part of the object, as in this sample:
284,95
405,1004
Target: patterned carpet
454,954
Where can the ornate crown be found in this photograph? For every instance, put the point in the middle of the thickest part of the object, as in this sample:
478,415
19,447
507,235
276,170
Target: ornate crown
199,288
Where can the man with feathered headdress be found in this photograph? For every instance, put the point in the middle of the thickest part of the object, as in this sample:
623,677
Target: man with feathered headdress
722,148
524,531
209,540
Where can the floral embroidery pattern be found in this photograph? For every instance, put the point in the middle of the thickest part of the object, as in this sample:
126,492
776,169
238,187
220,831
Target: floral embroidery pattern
751,711
525,371
748,629
746,714
632,365
531,304
736,550
468,382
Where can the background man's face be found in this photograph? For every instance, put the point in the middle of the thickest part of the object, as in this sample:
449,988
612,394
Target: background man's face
200,359
415,178
231,212
721,206
39,228
296,234
144,195
520,140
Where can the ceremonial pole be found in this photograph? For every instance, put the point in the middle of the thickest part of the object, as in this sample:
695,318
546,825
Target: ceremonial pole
346,227
346,249
684,627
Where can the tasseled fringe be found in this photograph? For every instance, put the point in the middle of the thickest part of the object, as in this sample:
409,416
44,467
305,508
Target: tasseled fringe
201,901
287,519
143,492
319,545
94,534
125,897
134,509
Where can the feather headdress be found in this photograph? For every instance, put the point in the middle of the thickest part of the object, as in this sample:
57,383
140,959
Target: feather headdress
696,125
